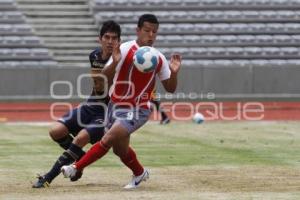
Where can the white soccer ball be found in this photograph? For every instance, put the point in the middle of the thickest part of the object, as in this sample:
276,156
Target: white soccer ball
198,118
145,59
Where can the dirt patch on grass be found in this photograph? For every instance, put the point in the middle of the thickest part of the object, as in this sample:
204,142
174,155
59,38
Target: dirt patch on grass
166,183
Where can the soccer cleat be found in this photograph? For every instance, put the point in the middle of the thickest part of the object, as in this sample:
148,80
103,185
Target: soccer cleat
165,121
77,176
41,182
69,171
136,180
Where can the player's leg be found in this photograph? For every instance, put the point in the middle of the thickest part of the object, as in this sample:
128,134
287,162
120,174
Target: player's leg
129,158
73,153
126,152
69,123
164,117
120,130
60,133
95,131
117,136
98,150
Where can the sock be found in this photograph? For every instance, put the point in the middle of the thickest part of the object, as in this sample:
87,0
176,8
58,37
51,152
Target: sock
68,157
65,142
97,151
156,103
77,151
158,108
131,161
163,115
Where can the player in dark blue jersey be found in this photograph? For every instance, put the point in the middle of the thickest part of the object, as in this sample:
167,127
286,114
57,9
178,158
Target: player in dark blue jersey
84,124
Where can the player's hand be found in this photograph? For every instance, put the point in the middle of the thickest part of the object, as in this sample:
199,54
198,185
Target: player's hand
116,54
175,62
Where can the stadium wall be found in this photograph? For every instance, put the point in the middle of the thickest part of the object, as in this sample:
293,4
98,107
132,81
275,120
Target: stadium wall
223,82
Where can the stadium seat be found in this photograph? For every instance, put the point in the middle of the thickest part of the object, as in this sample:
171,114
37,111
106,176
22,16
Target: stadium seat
32,40
252,51
271,51
282,39
293,62
223,63
228,39
264,39
259,62
241,63
5,52
290,51
245,39
295,38
22,53
40,52
235,51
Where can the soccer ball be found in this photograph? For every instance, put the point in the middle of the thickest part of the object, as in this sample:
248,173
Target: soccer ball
145,59
198,118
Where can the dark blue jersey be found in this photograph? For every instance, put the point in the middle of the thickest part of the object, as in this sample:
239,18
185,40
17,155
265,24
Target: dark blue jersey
97,63
95,59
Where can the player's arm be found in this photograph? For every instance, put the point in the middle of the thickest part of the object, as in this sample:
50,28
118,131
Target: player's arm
110,69
170,84
98,79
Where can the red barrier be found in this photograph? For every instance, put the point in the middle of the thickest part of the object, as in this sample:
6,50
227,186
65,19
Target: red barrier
13,112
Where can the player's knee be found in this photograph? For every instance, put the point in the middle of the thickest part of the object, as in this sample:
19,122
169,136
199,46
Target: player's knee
120,153
58,131
116,151
54,134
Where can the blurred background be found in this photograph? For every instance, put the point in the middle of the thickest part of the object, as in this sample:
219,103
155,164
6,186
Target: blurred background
233,51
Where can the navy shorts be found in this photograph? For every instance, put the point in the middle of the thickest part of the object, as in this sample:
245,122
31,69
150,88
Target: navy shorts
132,118
88,117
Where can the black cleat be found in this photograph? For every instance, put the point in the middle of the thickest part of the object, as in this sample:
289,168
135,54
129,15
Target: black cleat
165,121
77,176
42,182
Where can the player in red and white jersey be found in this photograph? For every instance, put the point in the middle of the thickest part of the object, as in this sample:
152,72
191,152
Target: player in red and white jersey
130,86
129,106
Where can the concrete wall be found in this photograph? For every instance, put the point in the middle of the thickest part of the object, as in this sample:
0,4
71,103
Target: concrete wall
223,82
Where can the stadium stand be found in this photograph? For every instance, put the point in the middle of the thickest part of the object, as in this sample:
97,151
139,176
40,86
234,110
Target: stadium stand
248,36
215,29
18,44
66,26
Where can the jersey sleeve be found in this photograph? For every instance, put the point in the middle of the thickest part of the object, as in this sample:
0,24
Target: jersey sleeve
165,71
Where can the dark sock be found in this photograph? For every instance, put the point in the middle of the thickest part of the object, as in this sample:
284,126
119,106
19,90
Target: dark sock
77,151
158,108
156,103
68,157
65,142
163,115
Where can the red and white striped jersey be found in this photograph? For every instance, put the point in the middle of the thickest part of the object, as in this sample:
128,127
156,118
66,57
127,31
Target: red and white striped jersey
130,86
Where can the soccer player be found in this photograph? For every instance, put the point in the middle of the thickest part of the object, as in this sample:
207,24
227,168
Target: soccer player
84,123
156,102
129,107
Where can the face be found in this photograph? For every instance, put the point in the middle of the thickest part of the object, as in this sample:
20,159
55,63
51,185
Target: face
108,41
146,35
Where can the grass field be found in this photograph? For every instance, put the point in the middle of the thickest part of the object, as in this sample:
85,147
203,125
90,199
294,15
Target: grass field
214,160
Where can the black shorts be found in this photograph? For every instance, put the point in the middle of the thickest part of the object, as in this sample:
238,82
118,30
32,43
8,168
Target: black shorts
88,117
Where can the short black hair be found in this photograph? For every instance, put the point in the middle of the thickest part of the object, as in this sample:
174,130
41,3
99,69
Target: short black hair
110,26
147,18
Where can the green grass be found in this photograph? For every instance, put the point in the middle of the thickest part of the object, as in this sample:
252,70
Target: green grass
214,160
234,144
